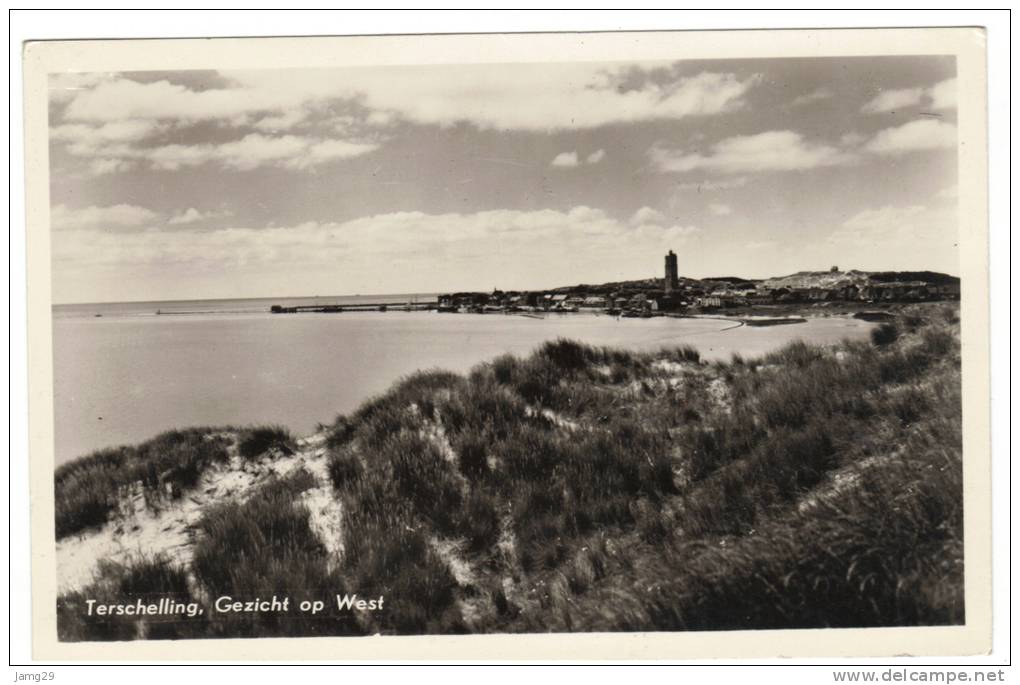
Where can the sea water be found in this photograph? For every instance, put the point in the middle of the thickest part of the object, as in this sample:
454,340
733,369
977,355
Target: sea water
124,376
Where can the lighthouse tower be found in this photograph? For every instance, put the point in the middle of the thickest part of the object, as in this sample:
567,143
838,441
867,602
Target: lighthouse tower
671,273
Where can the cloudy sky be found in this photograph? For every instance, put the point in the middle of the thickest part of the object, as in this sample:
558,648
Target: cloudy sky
189,184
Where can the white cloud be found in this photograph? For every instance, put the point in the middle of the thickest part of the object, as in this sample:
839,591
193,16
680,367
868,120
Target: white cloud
888,216
708,185
255,150
65,87
647,215
173,157
920,134
888,226
122,98
940,96
651,225
252,151
769,151
281,122
530,97
122,216
676,233
102,165
789,151
474,243
544,97
919,237
565,159
112,120
943,94
892,100
105,142
328,150
719,209
381,118
816,95
572,159
192,215
533,97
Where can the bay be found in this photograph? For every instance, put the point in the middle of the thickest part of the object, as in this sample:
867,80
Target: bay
128,374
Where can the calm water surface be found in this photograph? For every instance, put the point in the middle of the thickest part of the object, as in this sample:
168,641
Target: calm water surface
123,377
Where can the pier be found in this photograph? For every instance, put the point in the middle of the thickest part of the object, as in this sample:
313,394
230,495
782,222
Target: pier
358,307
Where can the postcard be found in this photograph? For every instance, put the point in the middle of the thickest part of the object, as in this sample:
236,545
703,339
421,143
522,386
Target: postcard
613,345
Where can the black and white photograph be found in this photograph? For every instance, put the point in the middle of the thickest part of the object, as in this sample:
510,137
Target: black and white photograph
554,345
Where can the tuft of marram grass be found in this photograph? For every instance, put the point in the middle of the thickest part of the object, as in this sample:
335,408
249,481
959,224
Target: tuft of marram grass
257,441
144,578
87,491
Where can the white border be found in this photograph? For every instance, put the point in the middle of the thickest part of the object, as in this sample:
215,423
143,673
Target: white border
251,25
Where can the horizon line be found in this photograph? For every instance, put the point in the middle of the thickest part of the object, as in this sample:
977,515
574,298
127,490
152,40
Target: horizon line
412,294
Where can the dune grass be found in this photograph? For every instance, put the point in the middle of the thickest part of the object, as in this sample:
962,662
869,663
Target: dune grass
88,490
584,488
265,547
254,442
145,578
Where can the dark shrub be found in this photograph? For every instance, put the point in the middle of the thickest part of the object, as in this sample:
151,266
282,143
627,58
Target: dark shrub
80,508
504,367
884,334
886,553
652,525
471,455
909,405
687,353
912,321
263,544
567,354
796,354
385,555
340,432
257,441
938,342
619,373
344,469
148,579
293,484
479,522
422,477
87,491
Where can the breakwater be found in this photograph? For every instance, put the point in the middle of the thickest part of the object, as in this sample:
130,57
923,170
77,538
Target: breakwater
358,307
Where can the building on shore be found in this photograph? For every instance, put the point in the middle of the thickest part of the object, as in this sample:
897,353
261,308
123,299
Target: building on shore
672,276
675,295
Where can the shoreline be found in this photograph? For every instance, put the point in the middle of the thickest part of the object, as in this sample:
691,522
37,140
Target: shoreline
758,311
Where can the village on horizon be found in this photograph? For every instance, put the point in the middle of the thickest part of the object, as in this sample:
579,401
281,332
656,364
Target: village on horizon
675,295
